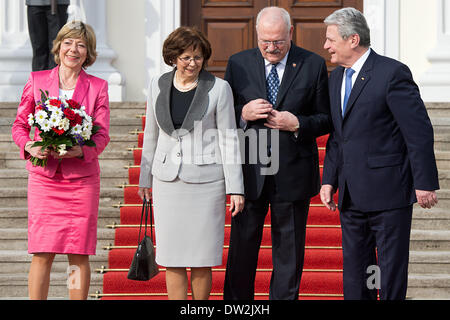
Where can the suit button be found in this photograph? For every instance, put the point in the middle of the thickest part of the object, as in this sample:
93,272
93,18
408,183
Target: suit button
178,154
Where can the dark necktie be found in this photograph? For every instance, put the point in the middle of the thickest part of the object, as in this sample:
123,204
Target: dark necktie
348,87
273,84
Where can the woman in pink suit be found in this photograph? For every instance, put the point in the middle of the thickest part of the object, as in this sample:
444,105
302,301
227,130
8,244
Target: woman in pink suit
63,196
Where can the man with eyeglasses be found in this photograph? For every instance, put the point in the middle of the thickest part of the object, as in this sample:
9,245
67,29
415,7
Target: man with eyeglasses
277,87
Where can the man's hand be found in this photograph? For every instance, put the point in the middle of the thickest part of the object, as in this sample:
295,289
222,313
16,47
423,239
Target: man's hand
256,109
282,120
426,199
326,195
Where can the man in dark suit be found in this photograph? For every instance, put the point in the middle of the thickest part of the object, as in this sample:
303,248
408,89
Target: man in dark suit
380,156
280,90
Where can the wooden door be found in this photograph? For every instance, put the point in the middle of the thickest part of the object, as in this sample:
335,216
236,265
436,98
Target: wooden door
230,25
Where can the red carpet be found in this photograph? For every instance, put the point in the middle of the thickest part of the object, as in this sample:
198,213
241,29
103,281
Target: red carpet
322,275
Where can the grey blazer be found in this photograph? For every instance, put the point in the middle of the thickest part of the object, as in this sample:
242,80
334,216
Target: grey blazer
205,148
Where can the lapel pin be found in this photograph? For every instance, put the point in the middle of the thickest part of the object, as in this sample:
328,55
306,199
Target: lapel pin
294,65
363,78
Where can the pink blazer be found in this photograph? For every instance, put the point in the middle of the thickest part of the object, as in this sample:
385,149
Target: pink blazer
91,92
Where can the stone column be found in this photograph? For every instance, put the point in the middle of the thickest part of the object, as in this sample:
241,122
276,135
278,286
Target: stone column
162,17
435,83
16,52
15,49
383,17
93,13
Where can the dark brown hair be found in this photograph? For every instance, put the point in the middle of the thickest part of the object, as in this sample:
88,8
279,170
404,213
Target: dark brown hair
182,39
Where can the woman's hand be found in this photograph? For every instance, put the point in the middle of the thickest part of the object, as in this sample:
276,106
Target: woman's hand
236,204
73,152
145,192
36,151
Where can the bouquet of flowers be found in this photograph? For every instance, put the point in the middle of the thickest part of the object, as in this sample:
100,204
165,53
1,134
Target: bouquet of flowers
62,123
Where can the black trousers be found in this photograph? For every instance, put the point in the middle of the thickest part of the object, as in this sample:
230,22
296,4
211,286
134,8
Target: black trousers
43,28
375,242
288,228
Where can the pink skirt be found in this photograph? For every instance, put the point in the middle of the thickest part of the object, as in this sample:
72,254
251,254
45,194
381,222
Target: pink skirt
62,214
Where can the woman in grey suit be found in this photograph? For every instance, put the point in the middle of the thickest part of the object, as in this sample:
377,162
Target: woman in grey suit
190,162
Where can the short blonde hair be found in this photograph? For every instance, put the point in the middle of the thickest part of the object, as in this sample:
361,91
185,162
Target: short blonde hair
77,30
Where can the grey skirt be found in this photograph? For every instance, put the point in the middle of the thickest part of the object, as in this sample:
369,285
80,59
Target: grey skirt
189,222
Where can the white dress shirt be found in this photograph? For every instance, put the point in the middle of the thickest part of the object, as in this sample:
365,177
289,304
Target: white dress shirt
281,66
357,66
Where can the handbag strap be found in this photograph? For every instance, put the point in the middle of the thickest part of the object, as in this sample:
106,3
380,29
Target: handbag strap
146,207
142,216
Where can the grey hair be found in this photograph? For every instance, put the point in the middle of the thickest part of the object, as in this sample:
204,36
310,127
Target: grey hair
349,22
284,15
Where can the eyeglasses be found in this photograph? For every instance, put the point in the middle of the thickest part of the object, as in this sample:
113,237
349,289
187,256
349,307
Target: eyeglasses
188,60
275,43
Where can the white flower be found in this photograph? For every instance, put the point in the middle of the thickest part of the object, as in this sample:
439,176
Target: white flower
54,121
86,134
87,126
31,119
64,124
76,130
40,116
46,126
56,112
62,149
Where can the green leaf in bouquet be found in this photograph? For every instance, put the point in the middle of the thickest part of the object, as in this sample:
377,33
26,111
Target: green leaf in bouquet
89,143
95,129
38,144
44,95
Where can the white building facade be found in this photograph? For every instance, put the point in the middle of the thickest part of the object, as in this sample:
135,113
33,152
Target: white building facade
130,35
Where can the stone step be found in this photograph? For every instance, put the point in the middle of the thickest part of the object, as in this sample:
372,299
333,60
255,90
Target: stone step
118,142
430,240
430,219
441,125
116,125
18,261
442,160
442,141
8,109
444,179
17,197
117,109
17,238
429,286
429,262
436,110
19,177
18,217
15,285
110,159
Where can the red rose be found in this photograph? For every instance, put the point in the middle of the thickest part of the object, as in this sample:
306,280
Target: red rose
69,114
73,104
55,102
59,132
77,120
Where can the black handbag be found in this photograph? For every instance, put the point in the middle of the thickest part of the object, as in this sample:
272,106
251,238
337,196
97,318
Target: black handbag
144,267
